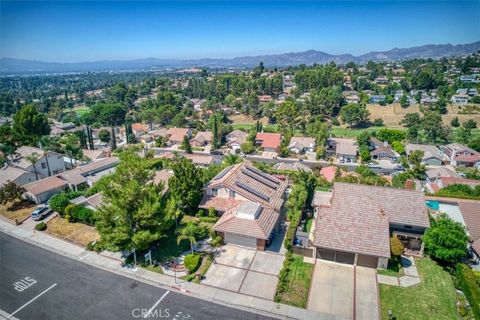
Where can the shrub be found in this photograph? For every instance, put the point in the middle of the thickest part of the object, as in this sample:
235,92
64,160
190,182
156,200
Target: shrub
208,219
396,246
83,214
59,202
468,283
212,212
41,226
378,122
200,213
192,262
216,241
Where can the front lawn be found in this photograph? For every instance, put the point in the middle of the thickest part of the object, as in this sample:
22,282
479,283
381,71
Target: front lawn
167,249
18,210
299,277
433,298
75,232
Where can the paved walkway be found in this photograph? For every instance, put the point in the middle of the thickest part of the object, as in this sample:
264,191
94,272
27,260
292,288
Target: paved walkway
410,278
215,295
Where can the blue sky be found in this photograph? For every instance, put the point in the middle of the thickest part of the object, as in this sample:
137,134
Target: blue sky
75,31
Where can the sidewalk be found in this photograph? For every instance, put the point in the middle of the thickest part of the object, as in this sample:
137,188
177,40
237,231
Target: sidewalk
410,278
214,295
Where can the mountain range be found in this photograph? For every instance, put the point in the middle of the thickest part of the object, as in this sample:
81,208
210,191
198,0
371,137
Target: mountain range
19,66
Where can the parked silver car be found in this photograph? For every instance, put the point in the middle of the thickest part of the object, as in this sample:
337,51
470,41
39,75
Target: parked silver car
40,212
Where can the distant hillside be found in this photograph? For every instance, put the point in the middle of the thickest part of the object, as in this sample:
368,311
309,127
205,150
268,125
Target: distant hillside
15,66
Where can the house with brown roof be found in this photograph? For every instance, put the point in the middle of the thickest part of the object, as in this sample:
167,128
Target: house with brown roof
202,138
269,142
16,175
235,139
453,150
344,149
470,211
301,144
139,129
250,203
382,150
356,224
176,135
431,154
40,191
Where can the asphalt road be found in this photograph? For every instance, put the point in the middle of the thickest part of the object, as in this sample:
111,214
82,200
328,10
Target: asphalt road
38,284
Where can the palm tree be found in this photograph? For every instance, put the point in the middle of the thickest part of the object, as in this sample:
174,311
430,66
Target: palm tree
33,158
6,150
188,233
232,159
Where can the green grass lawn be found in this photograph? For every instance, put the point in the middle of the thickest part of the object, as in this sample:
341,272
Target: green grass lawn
79,110
433,298
351,133
249,126
299,279
167,248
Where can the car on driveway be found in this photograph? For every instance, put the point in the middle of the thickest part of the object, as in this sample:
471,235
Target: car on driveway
40,212
374,165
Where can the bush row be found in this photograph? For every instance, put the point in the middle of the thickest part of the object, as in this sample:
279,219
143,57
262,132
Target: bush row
296,202
469,285
282,285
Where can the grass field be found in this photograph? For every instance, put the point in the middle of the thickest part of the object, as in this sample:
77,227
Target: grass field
299,279
433,298
80,110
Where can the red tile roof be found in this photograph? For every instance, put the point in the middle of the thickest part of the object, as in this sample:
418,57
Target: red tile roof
269,140
473,158
446,181
471,215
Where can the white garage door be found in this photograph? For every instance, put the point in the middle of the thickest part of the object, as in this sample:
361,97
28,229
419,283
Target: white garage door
240,240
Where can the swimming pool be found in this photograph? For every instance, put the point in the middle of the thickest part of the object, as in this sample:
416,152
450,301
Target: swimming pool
433,204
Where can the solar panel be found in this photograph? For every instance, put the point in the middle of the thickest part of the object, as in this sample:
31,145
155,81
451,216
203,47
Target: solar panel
222,173
260,179
251,190
263,174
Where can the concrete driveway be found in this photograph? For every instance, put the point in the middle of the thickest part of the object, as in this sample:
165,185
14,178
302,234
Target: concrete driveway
336,290
246,271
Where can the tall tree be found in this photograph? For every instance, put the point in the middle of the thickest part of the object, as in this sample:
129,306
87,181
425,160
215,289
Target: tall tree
29,125
354,114
33,158
186,185
132,214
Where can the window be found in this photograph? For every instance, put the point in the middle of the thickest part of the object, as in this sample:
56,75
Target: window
43,165
215,192
232,194
407,227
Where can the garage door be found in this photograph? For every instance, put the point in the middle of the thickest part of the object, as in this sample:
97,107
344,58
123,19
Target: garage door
345,257
326,254
367,261
240,240
337,256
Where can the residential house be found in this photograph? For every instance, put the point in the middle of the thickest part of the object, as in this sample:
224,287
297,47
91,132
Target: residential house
354,226
265,98
456,151
460,99
197,104
382,150
270,142
235,139
376,98
301,144
87,175
431,154
40,191
344,149
250,203
202,138
93,202
97,154
467,160
17,175
48,163
139,129
470,211
163,176
381,80
176,135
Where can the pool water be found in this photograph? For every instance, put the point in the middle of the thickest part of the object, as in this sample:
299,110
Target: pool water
434,205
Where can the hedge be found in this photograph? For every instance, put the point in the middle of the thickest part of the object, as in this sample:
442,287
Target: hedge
468,283
192,262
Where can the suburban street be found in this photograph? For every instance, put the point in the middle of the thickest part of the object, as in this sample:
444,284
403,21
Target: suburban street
38,284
